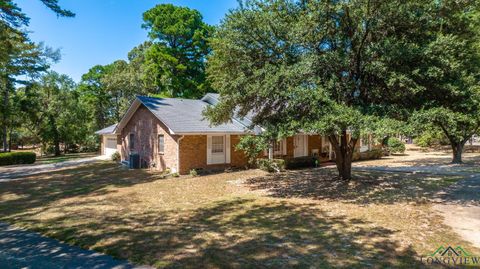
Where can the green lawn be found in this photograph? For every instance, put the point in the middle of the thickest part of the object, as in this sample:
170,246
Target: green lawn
244,219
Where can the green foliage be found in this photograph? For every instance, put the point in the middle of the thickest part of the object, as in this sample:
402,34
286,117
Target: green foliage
395,145
176,58
116,156
275,165
458,127
175,175
252,146
10,158
12,15
301,162
431,138
383,128
193,173
326,66
19,59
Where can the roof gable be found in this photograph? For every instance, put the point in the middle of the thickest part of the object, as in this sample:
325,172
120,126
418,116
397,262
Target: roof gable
108,130
181,116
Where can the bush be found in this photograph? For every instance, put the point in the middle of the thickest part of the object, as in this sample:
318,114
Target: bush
193,173
116,156
10,158
395,145
251,146
431,138
175,175
301,162
377,153
275,165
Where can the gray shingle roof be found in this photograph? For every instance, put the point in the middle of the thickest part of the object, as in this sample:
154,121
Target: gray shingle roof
185,116
214,98
108,130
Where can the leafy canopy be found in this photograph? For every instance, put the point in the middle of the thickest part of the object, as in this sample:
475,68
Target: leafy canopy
176,57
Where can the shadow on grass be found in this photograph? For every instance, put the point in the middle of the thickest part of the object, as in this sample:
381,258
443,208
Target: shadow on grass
41,190
365,187
241,233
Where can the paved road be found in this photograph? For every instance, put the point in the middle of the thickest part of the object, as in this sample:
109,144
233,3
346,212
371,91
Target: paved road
10,173
23,249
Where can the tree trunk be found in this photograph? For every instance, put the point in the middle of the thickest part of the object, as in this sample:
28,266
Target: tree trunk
5,118
57,147
56,135
344,167
457,152
10,140
344,148
4,136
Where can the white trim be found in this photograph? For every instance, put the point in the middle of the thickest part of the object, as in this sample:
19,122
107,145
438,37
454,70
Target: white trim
221,158
209,149
305,144
227,149
177,169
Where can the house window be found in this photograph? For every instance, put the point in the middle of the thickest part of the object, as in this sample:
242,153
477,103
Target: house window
131,140
217,144
161,144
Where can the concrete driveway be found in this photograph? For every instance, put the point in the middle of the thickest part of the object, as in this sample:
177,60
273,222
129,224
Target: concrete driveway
9,173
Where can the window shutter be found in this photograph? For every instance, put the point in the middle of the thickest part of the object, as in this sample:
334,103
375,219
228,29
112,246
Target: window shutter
227,149
209,149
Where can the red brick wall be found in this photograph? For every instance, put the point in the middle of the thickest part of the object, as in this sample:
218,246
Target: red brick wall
238,158
146,128
193,154
314,142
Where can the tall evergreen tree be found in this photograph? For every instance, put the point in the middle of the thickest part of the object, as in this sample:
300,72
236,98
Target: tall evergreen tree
176,59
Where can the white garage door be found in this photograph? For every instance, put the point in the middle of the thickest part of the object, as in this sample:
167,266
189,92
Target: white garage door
110,146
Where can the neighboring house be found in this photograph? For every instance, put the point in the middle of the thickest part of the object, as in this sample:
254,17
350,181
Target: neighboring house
172,133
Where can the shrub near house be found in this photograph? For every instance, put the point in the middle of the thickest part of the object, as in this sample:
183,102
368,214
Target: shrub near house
10,158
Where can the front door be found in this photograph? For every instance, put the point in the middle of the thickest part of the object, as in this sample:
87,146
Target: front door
300,143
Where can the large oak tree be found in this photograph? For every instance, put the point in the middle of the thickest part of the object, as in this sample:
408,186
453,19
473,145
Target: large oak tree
321,66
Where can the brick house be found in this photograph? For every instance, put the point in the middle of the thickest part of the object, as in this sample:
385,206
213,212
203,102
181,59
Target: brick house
171,133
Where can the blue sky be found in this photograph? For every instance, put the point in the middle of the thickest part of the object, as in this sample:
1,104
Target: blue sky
102,30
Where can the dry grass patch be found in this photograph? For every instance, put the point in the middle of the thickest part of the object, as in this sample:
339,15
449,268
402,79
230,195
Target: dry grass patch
243,219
